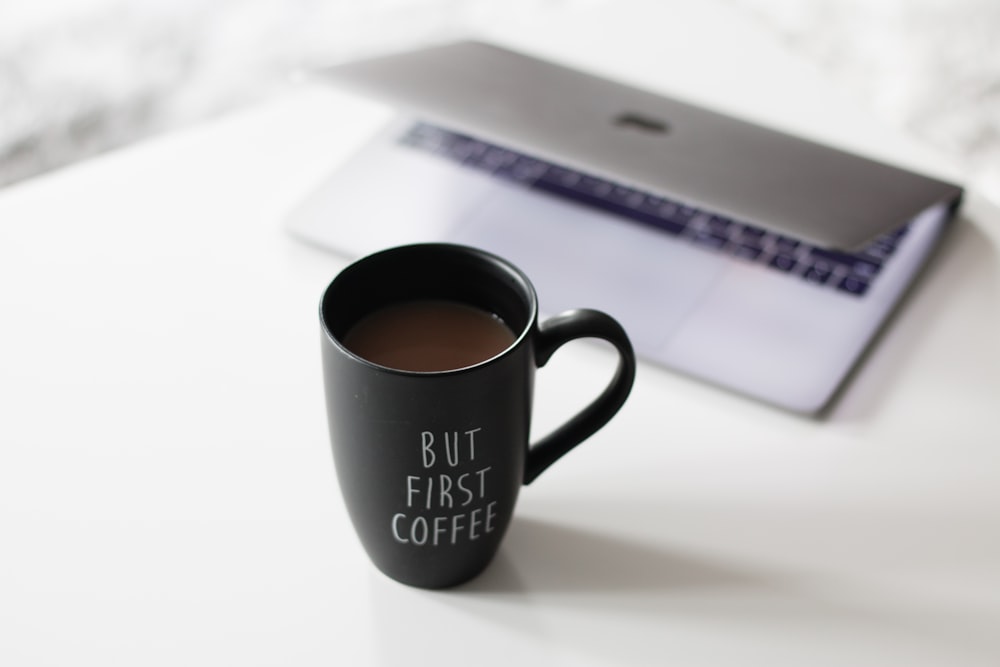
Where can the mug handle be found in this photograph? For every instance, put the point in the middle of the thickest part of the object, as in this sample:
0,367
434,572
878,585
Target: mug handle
553,334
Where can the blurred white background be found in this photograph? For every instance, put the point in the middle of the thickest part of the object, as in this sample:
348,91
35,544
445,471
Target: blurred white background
79,77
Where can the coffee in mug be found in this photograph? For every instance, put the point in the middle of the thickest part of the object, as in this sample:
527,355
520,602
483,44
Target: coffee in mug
428,335
429,354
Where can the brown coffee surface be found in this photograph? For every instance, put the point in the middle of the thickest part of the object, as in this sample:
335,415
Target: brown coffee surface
428,335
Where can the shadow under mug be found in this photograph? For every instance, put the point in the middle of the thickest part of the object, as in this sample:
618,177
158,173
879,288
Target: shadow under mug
430,463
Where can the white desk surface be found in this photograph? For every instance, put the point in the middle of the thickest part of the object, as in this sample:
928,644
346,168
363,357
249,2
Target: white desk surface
167,495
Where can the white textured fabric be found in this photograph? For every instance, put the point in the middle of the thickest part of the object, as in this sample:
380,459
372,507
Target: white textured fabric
80,77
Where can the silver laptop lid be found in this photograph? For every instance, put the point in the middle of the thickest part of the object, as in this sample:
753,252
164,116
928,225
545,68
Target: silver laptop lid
709,160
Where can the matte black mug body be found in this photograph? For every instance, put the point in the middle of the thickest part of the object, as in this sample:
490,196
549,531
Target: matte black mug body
430,463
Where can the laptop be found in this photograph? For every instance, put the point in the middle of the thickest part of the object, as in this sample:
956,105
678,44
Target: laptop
736,254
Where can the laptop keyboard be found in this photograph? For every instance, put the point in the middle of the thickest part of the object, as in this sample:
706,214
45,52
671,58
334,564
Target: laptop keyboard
849,273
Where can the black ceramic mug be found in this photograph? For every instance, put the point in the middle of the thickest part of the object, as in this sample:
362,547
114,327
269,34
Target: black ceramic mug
430,462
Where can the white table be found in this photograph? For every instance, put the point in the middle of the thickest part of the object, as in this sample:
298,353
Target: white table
167,495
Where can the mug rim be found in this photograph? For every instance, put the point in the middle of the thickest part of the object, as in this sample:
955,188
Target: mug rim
520,278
